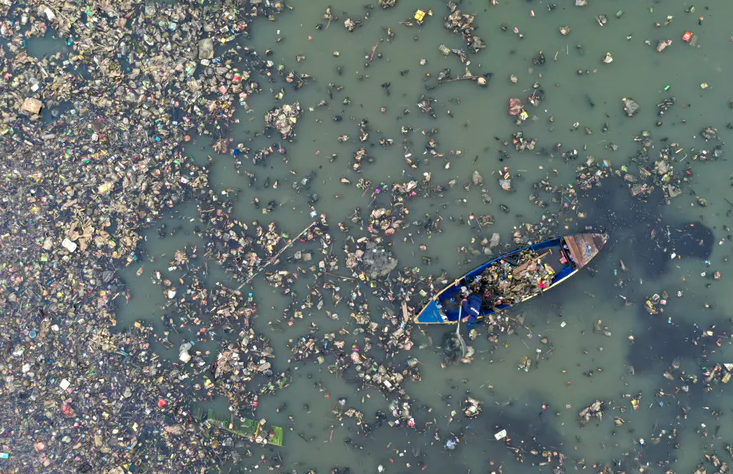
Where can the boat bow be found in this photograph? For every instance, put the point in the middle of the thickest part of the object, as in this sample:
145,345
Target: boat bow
583,247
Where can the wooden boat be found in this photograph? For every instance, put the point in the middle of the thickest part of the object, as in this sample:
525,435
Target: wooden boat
568,254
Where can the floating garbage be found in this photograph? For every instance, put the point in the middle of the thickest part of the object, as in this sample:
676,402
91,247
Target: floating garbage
595,410
183,352
283,119
630,107
32,106
515,106
120,124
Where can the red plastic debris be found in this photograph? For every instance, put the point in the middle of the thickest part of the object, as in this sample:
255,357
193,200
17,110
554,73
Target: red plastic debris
687,36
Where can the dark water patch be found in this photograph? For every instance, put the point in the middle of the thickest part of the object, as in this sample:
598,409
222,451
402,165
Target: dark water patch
662,343
662,448
629,221
692,240
532,430
638,232
52,114
630,461
657,245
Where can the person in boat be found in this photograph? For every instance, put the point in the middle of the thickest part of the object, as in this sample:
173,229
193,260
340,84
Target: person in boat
470,309
565,252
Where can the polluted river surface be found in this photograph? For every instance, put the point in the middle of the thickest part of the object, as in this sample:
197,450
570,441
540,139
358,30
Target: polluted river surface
401,155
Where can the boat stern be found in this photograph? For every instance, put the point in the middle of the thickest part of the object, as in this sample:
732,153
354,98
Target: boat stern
431,314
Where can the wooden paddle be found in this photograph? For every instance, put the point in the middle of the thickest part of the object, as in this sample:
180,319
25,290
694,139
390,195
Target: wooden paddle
524,266
458,332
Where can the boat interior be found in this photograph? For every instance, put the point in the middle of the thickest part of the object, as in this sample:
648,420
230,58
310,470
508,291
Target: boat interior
555,252
565,255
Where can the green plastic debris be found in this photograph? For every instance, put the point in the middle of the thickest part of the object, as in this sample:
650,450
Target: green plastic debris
248,428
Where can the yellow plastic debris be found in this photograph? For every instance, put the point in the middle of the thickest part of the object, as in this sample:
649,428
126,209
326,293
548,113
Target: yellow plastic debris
419,15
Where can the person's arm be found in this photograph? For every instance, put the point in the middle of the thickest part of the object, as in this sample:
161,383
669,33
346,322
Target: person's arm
465,310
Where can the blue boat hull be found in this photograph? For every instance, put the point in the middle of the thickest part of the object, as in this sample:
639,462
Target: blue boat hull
583,247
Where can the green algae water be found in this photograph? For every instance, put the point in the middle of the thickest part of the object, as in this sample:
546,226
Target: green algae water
377,74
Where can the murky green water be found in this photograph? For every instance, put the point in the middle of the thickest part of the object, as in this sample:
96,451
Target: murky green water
511,398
